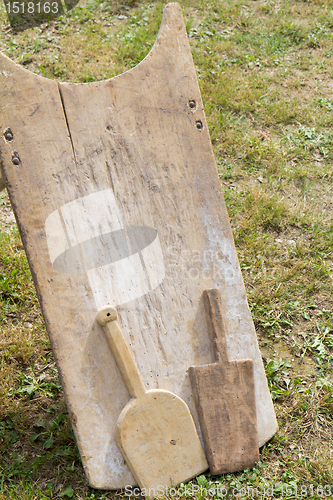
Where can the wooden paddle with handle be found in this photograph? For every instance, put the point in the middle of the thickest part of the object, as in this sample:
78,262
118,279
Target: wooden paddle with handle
224,394
155,431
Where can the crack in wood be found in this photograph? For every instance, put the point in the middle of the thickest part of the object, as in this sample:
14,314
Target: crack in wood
67,124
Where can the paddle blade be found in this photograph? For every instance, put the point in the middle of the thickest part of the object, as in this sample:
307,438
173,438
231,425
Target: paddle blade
225,401
158,439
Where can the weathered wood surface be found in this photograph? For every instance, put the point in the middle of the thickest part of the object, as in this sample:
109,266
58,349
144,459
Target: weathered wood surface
99,158
2,182
224,395
155,431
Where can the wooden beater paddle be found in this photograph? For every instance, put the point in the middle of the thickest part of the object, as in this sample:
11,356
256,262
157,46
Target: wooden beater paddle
155,431
224,394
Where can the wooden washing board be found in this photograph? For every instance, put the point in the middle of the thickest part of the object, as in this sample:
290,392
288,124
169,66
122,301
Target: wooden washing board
117,198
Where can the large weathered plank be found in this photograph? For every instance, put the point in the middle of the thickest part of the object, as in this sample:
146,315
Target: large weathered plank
92,165
225,400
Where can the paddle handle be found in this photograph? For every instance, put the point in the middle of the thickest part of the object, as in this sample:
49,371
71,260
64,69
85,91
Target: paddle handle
107,318
216,325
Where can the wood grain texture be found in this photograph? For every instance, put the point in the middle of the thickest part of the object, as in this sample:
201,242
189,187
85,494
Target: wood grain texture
225,399
158,438
133,138
155,431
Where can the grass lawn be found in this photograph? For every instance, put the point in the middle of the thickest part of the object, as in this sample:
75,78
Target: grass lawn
265,69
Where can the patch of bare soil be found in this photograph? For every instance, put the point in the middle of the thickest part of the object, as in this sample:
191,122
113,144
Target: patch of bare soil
7,218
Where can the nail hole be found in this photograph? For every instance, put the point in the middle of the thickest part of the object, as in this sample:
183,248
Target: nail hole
8,135
15,159
191,103
199,124
108,314
173,442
